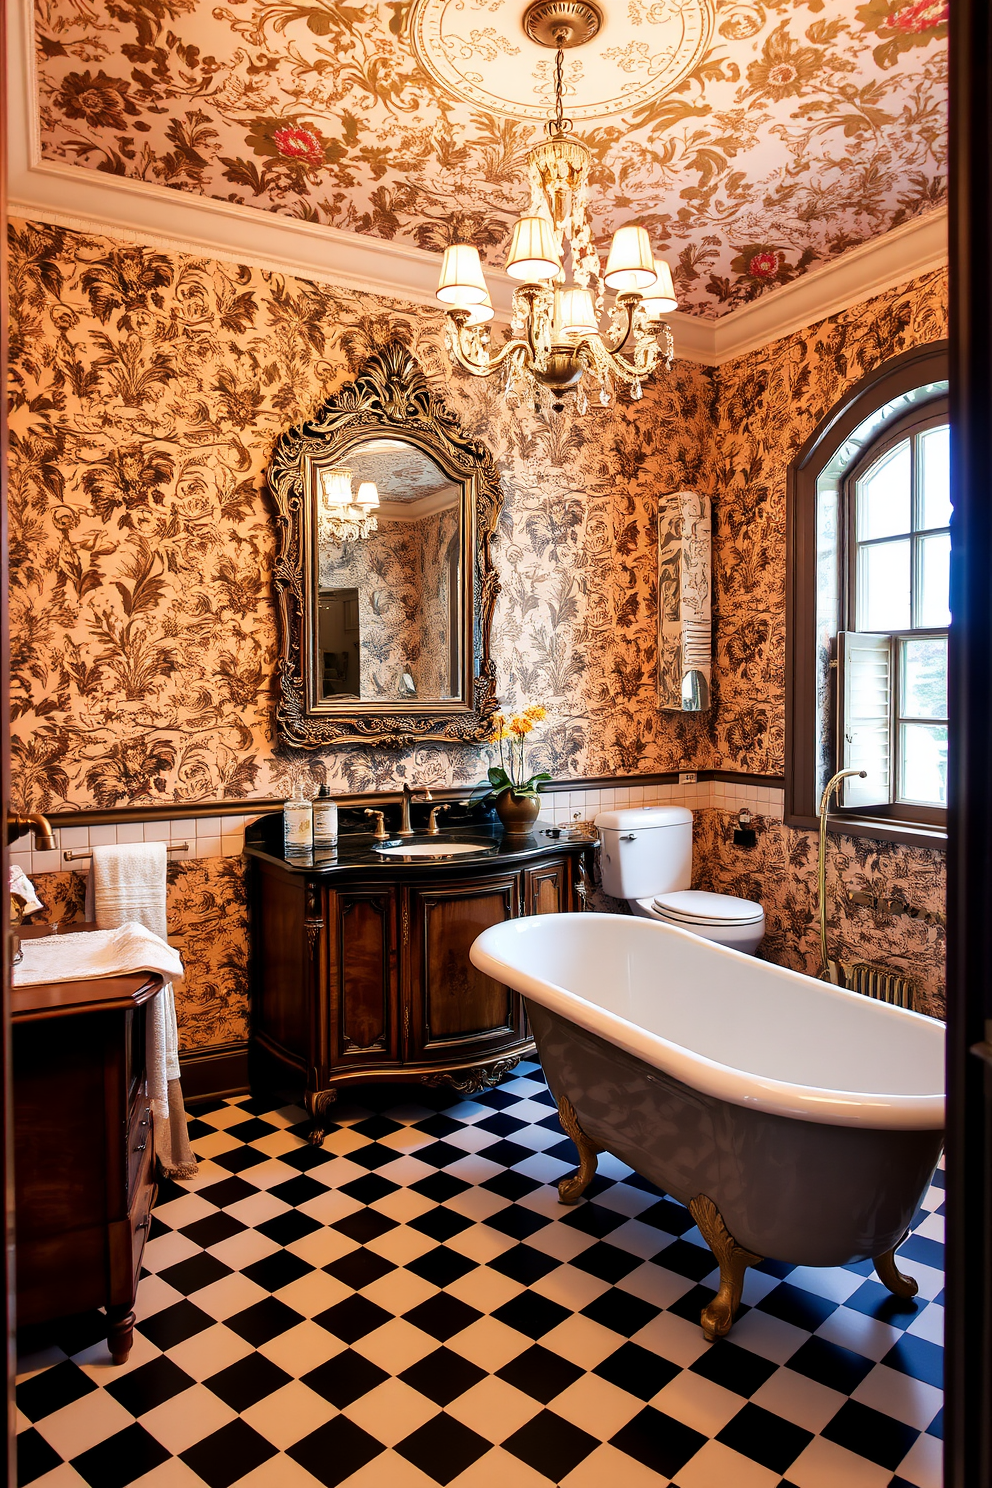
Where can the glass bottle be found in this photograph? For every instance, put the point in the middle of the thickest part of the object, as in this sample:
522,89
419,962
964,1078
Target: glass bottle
297,821
325,819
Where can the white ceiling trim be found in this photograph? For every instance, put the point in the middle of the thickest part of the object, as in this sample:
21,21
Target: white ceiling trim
184,222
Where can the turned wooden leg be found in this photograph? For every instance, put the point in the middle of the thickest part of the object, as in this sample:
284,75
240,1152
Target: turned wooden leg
890,1276
716,1319
320,1106
571,1189
120,1332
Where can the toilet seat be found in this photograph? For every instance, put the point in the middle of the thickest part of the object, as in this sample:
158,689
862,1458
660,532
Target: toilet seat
698,907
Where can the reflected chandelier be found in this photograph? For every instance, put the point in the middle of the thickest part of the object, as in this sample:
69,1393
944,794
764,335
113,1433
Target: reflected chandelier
556,343
342,517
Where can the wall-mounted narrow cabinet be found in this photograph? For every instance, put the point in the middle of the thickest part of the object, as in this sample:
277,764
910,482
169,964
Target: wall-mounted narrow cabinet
361,967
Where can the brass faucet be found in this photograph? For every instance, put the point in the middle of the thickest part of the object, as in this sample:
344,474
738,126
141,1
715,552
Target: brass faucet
432,827
380,834
411,793
44,837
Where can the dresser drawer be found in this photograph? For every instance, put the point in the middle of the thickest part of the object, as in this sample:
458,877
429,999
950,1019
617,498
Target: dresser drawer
140,1142
139,1214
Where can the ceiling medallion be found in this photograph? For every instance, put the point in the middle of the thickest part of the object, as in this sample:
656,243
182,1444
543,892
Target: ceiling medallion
487,54
557,344
558,24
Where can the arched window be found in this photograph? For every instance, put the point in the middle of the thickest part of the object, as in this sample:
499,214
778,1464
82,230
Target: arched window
869,545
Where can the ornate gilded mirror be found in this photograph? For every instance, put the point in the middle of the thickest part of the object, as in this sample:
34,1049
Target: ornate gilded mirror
384,574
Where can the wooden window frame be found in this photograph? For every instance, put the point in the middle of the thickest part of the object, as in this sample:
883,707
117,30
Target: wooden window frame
929,415
919,367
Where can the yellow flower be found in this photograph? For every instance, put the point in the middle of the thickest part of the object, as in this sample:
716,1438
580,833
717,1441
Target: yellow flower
536,713
520,725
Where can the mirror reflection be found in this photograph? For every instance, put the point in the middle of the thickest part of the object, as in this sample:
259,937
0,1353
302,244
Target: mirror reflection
389,552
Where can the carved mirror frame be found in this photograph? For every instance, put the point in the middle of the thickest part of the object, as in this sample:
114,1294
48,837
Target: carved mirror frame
389,397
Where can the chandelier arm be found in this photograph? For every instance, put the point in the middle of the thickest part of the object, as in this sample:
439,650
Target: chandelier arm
483,369
629,304
629,371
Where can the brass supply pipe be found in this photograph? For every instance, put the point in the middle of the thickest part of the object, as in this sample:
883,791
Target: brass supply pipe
33,821
821,875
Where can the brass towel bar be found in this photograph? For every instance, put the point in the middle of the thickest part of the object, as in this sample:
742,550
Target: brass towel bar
72,857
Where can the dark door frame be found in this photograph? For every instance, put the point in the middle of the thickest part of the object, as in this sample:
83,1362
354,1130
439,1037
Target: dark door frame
968,1346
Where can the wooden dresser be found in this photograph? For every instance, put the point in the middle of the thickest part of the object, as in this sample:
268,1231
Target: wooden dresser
83,1147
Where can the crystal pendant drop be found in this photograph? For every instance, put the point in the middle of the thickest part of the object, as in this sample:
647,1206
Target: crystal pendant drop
635,391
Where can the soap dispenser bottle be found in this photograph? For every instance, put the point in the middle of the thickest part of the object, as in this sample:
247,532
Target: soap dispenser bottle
325,819
297,821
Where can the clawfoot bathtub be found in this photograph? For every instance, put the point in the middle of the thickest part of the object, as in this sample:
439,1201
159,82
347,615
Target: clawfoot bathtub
797,1121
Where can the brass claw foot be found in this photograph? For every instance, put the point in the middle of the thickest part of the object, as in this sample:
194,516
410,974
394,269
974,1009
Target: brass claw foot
890,1276
570,1190
717,1317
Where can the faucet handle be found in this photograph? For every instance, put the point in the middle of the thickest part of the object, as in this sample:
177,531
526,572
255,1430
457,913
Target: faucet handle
380,834
432,827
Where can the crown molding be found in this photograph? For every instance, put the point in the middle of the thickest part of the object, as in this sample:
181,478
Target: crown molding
174,221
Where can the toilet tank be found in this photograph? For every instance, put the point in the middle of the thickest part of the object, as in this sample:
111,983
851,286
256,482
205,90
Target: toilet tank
645,850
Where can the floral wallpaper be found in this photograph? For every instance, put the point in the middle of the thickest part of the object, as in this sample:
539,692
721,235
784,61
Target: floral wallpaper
147,392
766,405
206,904
804,128
780,872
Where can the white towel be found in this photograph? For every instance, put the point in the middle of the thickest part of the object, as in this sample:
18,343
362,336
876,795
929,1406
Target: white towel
96,954
128,883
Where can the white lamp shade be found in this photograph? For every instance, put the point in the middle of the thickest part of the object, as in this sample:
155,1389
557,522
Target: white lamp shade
630,265
660,299
462,281
533,251
578,313
368,494
479,314
336,487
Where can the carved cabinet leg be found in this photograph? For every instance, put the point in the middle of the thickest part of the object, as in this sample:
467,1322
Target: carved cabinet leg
716,1319
320,1105
890,1276
120,1332
570,1190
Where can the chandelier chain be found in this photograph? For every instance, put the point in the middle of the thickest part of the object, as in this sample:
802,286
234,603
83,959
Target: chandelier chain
559,124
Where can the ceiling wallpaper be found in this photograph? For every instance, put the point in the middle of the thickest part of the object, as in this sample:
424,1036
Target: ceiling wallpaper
761,138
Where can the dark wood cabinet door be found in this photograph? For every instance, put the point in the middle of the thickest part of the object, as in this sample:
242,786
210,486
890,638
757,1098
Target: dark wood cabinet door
546,888
363,976
459,1012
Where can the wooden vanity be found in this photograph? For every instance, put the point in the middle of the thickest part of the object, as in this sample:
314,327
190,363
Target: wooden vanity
84,1149
360,962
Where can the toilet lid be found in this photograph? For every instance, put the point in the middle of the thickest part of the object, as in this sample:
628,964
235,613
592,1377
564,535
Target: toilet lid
695,906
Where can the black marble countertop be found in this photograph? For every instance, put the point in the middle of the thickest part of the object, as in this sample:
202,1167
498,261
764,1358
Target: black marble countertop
356,850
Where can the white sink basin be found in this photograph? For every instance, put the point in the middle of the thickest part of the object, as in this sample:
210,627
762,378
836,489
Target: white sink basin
429,849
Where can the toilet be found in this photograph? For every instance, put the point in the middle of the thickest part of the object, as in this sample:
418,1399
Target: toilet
646,858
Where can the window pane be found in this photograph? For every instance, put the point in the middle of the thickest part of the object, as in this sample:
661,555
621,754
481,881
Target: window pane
884,495
883,586
923,772
935,560
924,678
935,475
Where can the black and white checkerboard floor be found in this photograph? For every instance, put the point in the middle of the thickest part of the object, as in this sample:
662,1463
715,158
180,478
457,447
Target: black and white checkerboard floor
410,1306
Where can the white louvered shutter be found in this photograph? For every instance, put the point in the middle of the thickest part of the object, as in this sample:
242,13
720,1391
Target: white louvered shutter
865,683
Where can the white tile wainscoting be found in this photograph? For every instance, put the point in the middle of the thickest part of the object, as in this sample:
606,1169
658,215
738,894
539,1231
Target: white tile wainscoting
223,836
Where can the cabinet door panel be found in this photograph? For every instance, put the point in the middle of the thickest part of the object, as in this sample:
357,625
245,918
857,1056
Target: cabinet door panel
365,974
460,1004
546,888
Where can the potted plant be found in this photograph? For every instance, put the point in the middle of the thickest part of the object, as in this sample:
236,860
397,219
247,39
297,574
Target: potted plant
514,793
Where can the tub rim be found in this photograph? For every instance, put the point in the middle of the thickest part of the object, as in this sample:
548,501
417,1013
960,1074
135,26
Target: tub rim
879,1110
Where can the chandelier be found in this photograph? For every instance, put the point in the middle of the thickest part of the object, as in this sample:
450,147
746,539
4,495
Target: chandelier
342,517
557,344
